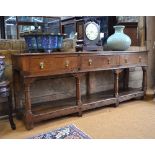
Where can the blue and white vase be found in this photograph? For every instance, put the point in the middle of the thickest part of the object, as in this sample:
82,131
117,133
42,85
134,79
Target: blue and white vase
119,41
2,67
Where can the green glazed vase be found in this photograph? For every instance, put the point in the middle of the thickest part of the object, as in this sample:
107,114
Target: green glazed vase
119,41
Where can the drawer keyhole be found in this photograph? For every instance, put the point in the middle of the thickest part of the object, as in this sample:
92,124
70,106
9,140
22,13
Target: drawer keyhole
66,63
90,62
41,65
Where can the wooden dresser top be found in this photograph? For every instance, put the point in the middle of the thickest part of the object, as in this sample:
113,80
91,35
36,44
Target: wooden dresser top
81,53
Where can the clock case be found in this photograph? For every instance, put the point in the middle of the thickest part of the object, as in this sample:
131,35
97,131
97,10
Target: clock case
88,45
95,44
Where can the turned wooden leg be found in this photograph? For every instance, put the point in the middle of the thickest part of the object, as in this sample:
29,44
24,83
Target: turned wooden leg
144,82
126,79
28,117
88,83
116,85
28,120
78,92
13,126
16,86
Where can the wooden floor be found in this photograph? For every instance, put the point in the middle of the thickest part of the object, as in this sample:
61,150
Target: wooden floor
133,119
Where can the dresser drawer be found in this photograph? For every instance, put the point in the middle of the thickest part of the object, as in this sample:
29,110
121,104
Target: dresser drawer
135,59
53,65
98,62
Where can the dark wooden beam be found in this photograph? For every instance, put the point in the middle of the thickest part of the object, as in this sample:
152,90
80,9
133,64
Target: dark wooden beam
2,27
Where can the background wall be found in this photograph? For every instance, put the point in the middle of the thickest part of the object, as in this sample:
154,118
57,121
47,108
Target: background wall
151,55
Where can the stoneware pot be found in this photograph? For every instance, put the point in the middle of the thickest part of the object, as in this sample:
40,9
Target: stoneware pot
2,66
119,41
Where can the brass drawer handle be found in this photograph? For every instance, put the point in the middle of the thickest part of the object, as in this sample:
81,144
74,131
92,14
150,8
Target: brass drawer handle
90,62
66,63
41,65
140,59
126,60
108,61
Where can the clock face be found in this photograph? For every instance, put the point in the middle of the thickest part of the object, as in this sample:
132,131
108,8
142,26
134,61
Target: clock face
92,31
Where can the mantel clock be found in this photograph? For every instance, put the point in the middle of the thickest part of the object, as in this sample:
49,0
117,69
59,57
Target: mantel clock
89,32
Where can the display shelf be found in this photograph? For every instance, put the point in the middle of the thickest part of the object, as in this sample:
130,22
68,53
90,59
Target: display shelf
52,109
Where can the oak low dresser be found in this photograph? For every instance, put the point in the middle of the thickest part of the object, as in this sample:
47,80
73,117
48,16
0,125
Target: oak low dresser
29,67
